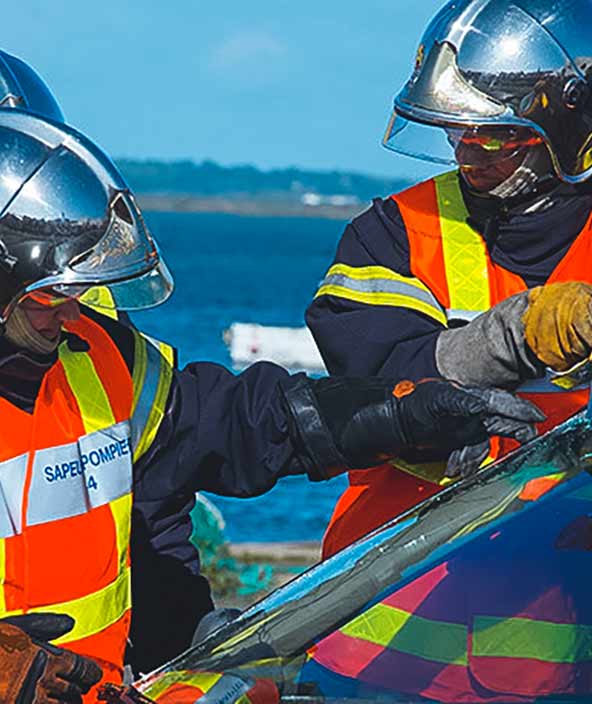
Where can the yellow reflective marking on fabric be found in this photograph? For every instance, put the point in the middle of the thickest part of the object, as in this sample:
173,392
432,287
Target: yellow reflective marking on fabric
100,298
140,364
168,353
204,680
533,640
93,613
158,374
400,630
121,510
93,402
159,405
383,299
2,575
367,273
465,257
377,274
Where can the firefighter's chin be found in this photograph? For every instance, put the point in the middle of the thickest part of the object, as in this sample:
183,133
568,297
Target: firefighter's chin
482,179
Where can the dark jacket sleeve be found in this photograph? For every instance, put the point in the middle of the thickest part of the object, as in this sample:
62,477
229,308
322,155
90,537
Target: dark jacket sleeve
359,338
222,432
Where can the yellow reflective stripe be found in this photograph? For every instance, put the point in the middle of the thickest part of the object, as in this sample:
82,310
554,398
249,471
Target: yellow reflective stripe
100,298
92,613
204,680
377,285
168,353
140,364
121,510
162,393
2,575
93,402
151,395
530,639
400,630
465,257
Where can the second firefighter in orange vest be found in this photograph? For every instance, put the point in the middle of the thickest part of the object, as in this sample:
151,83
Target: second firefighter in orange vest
434,281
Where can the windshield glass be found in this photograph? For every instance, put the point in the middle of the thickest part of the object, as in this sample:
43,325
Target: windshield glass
489,578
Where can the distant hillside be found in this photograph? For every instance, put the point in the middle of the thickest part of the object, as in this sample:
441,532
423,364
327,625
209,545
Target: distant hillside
210,180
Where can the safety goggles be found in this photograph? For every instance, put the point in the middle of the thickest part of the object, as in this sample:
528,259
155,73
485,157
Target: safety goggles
478,147
52,298
494,142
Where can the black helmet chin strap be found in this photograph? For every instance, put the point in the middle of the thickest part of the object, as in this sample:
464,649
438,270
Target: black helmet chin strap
526,178
487,210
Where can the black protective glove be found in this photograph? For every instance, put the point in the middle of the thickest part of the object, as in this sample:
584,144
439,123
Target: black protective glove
346,423
34,672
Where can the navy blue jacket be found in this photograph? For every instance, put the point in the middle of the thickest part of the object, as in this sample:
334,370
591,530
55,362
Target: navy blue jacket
399,343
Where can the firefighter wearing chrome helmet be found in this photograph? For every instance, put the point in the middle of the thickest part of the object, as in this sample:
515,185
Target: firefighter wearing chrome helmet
167,567
481,274
102,418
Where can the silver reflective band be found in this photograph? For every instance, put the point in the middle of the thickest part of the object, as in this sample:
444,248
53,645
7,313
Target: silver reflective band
147,397
12,485
468,315
376,285
69,480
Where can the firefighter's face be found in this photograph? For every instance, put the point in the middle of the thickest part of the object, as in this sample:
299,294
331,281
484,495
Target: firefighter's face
47,317
488,156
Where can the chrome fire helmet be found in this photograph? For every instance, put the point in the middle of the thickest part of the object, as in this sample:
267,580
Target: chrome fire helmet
506,67
68,221
22,87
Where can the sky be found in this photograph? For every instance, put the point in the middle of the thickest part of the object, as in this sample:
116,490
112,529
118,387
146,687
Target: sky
273,83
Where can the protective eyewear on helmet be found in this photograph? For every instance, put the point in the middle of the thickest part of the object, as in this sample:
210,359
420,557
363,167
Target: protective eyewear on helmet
508,141
52,299
520,63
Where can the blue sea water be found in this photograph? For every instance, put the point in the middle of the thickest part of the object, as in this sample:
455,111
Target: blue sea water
229,268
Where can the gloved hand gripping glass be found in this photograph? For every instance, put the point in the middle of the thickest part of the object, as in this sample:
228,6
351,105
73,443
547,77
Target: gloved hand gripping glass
349,423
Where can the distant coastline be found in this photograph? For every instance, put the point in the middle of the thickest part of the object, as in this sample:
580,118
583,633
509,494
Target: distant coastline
208,187
247,207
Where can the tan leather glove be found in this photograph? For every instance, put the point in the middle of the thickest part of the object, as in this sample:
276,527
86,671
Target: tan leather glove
34,672
558,324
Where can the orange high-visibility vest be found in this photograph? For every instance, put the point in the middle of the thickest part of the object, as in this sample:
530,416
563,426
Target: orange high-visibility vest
450,261
66,489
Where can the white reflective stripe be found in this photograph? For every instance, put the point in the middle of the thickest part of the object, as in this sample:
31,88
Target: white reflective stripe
12,485
468,315
69,480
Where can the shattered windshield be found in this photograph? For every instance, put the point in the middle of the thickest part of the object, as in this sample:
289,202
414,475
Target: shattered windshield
479,593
